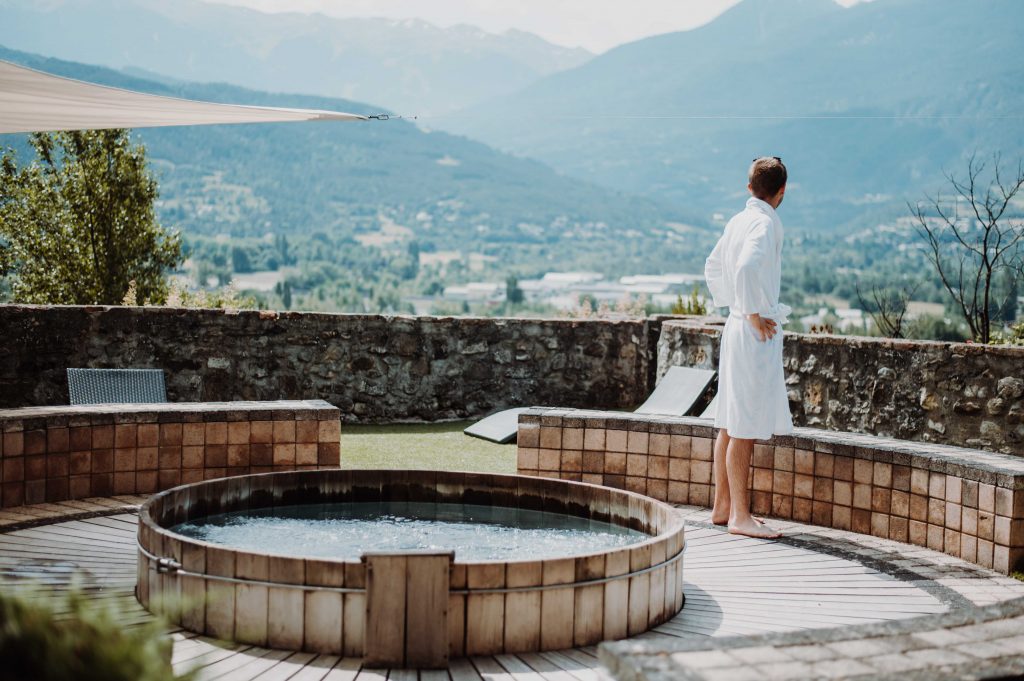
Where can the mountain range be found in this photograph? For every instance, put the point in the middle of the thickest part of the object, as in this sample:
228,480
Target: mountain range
350,180
867,105
409,66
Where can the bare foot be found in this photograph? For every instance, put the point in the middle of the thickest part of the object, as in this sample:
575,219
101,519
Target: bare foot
724,520
754,528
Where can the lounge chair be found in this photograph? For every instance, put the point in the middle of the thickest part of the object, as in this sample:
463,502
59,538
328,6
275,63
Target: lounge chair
116,386
679,390
709,411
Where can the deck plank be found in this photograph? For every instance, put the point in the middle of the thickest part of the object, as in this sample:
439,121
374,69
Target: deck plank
734,585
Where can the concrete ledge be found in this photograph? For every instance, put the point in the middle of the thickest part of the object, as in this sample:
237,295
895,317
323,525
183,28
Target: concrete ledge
53,454
967,503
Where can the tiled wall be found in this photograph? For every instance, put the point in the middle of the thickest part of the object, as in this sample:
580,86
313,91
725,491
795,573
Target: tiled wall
966,503
53,454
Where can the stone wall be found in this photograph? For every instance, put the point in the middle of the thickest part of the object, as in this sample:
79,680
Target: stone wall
952,393
387,369
374,368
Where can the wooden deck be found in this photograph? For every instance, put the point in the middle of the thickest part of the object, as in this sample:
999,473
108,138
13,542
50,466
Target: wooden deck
733,586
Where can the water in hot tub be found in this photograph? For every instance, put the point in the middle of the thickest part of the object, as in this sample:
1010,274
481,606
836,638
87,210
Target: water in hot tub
346,531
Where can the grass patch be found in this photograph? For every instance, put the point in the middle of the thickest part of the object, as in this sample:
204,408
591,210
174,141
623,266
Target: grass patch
439,446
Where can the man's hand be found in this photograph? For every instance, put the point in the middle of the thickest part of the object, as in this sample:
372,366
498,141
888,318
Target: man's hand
764,327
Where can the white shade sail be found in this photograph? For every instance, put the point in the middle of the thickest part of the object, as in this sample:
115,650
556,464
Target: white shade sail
33,101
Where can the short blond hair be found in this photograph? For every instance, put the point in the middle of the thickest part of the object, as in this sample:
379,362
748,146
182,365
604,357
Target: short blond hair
767,177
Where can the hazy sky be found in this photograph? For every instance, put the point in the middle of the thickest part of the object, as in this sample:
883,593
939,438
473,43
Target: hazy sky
594,24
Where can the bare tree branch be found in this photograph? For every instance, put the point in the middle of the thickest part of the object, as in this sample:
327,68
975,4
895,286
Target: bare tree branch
987,249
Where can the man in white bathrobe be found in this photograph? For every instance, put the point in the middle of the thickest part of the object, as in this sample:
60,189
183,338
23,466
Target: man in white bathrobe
744,273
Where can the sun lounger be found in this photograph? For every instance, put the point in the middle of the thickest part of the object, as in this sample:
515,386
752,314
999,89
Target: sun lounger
116,386
677,393
499,427
709,411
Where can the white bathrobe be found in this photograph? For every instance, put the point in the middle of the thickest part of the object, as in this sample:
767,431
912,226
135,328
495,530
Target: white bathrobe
744,273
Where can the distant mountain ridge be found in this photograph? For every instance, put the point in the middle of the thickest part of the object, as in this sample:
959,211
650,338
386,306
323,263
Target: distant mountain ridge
874,100
349,179
411,66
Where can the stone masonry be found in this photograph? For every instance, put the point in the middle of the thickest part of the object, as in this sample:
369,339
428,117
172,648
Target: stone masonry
374,368
380,369
951,393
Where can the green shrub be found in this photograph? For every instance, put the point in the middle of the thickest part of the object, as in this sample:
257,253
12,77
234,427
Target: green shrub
59,638
1013,336
692,305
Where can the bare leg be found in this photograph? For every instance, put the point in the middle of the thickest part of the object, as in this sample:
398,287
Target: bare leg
721,510
738,468
723,500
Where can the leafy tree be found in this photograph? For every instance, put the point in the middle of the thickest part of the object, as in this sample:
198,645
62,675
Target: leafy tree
513,294
693,305
80,223
240,260
286,295
931,327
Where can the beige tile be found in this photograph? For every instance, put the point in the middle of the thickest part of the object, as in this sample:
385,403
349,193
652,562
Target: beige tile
637,442
803,462
659,444
882,475
784,459
863,471
550,437
616,440
636,464
701,448
284,432
527,457
528,435
572,438
238,433
330,430
680,447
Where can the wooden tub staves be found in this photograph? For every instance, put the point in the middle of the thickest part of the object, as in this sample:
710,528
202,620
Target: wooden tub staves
413,608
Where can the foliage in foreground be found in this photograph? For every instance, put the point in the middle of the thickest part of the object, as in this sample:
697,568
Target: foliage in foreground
50,638
1014,336
79,222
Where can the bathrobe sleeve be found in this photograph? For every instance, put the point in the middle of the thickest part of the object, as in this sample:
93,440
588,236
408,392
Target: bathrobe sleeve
751,296
714,276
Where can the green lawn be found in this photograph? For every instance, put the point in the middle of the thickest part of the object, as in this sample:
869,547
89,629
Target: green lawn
439,446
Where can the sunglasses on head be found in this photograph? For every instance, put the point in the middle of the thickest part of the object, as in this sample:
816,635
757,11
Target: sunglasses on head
777,158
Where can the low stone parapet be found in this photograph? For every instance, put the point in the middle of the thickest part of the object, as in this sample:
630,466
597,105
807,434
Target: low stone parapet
52,454
967,503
